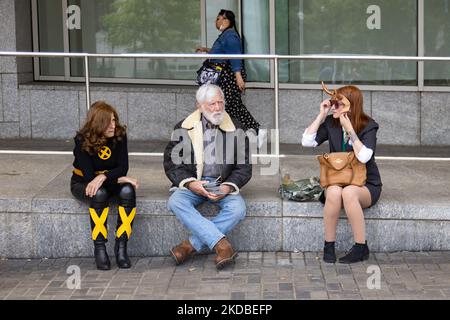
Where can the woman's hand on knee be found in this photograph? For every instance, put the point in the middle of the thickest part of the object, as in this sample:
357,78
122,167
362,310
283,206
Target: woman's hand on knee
93,186
130,180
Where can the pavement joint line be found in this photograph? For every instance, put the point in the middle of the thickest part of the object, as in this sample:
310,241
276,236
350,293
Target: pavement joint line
160,154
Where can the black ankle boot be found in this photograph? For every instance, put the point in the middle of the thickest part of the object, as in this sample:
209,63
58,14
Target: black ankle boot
120,249
101,256
359,252
328,252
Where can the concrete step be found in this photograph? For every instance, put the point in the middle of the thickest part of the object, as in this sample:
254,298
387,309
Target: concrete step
40,218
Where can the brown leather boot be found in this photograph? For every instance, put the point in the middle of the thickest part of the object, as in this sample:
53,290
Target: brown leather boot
225,254
182,251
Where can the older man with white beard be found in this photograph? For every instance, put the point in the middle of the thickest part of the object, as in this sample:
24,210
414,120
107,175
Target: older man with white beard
206,147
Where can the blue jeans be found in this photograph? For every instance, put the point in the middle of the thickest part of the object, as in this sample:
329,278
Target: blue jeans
205,232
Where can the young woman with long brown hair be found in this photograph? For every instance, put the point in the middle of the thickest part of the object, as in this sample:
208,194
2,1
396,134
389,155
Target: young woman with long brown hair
100,173
347,130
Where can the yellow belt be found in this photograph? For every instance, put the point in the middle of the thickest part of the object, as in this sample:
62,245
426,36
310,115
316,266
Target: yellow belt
78,172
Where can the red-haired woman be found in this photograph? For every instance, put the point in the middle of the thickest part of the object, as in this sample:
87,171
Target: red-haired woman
351,130
100,173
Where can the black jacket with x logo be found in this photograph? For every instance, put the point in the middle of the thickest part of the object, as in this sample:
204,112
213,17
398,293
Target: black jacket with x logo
111,157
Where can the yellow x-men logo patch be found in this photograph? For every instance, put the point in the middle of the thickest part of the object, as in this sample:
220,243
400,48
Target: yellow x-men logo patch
104,153
99,222
126,221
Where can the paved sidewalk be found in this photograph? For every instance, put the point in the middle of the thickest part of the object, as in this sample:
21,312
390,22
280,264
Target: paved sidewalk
256,275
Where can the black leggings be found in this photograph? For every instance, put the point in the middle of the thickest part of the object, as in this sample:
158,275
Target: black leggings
123,193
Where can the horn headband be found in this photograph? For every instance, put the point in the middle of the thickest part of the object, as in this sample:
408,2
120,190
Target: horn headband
335,98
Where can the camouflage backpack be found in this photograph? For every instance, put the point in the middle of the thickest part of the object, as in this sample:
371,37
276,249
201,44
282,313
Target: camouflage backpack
300,190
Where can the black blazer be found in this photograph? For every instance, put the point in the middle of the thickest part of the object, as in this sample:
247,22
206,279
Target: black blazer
368,137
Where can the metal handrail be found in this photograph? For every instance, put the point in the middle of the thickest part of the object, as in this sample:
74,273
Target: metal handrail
219,56
273,57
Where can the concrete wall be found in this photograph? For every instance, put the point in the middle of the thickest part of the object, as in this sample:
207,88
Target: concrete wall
56,111
15,35
49,111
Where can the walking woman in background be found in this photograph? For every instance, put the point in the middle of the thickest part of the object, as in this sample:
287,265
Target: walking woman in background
100,173
232,79
347,131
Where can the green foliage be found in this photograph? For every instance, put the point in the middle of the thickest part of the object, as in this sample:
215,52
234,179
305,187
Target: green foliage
153,25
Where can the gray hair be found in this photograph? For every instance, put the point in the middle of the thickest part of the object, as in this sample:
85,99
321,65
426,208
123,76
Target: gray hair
206,92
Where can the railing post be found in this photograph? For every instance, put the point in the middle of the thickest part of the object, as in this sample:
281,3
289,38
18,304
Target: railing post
277,128
86,76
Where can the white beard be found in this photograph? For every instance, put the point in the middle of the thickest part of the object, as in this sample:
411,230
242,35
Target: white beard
216,118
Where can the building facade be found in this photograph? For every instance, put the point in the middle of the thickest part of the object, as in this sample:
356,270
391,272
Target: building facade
45,98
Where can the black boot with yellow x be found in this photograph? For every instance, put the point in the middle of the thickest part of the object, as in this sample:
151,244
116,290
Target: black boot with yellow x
126,214
99,235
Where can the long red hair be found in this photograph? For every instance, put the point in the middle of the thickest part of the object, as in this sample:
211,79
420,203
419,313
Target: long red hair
97,121
357,116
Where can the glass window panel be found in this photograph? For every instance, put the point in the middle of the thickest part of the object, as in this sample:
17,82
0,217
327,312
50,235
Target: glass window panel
256,38
437,41
50,30
345,27
137,26
282,37
212,9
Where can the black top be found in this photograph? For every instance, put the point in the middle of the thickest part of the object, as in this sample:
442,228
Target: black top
368,137
112,157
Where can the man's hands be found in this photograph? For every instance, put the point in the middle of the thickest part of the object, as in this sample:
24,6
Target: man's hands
197,187
93,186
224,189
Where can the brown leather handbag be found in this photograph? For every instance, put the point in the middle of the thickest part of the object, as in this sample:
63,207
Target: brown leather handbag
341,169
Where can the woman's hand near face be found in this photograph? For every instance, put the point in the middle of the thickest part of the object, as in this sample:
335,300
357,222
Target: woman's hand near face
130,180
240,81
93,186
348,127
325,107
346,123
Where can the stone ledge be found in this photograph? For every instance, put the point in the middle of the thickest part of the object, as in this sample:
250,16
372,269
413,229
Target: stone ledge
38,235
40,218
384,209
147,207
